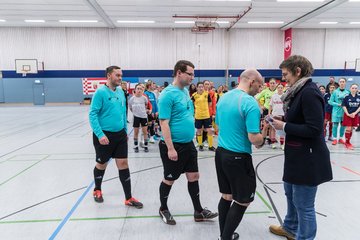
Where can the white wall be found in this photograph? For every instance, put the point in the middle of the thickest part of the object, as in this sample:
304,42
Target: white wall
97,48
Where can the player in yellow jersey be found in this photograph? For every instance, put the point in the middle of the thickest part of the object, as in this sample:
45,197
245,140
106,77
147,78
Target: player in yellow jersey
202,102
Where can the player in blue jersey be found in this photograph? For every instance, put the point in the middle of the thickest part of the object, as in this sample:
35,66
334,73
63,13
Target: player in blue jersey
337,112
351,106
328,112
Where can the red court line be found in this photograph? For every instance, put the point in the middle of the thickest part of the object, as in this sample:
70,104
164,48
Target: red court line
348,169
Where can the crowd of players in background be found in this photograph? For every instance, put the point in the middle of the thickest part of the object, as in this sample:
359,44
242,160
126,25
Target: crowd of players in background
342,108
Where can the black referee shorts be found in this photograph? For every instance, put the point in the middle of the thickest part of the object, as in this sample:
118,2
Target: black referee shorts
235,174
117,148
187,160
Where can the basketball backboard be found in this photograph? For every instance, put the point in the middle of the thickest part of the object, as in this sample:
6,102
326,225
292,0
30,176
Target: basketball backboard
357,65
26,66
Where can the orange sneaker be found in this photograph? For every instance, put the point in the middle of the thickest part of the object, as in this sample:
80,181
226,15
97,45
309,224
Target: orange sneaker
98,196
341,141
334,142
133,202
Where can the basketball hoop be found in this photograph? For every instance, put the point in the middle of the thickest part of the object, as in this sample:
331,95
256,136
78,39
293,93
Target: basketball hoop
24,72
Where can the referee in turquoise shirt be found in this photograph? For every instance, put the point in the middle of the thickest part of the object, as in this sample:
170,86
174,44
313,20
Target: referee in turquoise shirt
177,149
108,121
238,118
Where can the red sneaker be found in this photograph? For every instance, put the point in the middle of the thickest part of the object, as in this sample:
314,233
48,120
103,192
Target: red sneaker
341,141
133,202
349,146
334,142
98,196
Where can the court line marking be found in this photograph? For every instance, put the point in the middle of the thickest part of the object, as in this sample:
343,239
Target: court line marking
29,144
273,205
81,188
346,168
112,218
68,215
352,171
32,165
65,220
264,201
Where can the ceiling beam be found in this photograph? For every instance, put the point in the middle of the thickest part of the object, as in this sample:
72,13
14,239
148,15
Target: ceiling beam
239,17
317,11
98,9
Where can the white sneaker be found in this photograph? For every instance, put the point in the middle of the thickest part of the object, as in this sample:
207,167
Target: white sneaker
273,146
151,140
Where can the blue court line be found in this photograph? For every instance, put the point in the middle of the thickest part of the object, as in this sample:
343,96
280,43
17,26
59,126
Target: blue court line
131,131
66,219
61,225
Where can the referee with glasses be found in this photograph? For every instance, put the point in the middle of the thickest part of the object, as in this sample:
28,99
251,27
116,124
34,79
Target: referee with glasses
108,121
177,150
238,118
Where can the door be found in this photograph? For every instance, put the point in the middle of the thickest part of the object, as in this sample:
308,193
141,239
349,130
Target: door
39,95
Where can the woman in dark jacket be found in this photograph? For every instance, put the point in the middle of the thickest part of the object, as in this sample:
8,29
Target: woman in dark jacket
307,158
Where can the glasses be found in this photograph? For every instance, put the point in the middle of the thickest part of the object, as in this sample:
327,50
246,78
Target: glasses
190,74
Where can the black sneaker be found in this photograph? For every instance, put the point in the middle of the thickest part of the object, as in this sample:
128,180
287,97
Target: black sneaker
235,236
213,149
204,215
98,196
146,149
136,149
167,217
201,148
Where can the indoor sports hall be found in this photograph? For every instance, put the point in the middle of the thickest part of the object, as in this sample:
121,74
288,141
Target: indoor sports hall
53,56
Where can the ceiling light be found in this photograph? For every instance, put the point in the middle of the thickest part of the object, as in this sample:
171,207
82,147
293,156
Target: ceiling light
78,21
271,22
2,20
300,0
34,21
328,22
135,21
354,0
185,22
228,0
354,22
222,22
218,0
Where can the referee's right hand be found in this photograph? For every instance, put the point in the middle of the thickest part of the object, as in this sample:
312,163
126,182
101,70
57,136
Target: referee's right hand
104,140
172,154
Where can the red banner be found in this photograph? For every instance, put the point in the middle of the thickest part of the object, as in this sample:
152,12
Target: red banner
287,43
91,84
